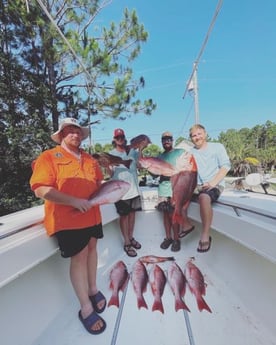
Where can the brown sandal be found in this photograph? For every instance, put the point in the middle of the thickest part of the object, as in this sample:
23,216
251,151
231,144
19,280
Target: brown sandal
129,250
135,244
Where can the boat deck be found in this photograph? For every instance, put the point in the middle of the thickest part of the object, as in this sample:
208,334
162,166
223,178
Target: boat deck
39,307
229,323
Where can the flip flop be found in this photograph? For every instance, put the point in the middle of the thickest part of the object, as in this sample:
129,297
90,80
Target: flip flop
96,299
204,244
90,321
186,232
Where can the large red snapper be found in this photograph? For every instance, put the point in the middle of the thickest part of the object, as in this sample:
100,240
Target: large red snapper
139,281
177,282
106,160
109,192
157,166
196,284
157,280
140,142
183,186
119,277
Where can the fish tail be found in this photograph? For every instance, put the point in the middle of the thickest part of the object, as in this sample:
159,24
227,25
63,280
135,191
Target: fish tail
114,300
201,303
177,218
158,305
141,303
127,163
180,304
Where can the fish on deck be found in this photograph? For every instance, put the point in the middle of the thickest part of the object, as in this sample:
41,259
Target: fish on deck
157,281
196,284
153,259
140,279
177,282
119,277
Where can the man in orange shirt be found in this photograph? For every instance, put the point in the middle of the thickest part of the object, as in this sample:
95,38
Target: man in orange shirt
65,177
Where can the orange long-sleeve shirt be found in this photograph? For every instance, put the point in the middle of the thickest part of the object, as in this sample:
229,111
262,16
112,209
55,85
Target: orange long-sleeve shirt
59,169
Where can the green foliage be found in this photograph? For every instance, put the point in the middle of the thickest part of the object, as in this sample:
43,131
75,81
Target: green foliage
258,143
42,80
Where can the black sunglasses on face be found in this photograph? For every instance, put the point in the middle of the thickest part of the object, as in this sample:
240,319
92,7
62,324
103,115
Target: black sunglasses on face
167,139
119,137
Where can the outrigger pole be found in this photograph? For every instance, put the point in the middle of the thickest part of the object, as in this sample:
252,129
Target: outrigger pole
192,84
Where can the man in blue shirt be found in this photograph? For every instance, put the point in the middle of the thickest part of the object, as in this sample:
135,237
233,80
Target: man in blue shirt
213,164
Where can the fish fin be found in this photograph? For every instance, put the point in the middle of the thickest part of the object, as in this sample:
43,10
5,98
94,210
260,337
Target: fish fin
201,303
177,218
180,304
127,163
158,305
141,303
122,288
114,300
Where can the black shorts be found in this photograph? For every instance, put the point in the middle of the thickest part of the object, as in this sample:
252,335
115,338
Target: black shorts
71,242
125,207
213,193
165,205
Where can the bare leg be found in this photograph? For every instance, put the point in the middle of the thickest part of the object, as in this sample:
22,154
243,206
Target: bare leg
131,223
186,224
206,214
167,224
79,279
124,225
176,229
92,264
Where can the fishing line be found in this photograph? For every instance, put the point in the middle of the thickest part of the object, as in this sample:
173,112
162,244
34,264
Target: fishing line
119,315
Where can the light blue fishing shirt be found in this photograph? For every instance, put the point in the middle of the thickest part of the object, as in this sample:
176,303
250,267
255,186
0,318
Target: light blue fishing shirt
130,175
209,160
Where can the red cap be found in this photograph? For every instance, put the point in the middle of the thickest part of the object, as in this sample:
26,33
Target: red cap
118,131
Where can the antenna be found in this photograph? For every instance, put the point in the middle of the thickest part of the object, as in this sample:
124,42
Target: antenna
192,84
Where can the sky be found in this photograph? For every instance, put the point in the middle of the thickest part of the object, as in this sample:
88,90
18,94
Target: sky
236,72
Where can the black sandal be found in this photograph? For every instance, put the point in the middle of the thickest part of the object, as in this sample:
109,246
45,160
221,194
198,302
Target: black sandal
129,250
135,244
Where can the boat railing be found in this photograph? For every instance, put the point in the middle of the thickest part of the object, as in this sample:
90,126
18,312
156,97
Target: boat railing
237,210
9,228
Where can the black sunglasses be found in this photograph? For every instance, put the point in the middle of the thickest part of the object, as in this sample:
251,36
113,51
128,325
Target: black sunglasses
118,137
167,139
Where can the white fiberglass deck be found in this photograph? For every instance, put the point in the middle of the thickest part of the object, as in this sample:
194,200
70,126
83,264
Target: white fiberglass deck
240,291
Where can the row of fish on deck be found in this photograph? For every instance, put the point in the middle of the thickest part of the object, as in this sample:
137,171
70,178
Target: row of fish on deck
156,277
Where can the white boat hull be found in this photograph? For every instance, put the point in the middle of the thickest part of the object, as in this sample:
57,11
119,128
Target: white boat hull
38,305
